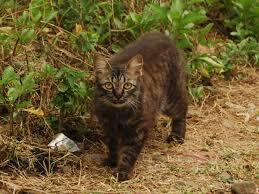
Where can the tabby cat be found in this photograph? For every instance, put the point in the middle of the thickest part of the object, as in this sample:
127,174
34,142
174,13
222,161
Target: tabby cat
132,88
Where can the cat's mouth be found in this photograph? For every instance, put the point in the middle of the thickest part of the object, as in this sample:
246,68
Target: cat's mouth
119,103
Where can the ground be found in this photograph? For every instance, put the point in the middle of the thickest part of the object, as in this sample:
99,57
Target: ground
221,148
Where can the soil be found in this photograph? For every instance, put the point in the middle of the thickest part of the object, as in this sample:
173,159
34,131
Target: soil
221,148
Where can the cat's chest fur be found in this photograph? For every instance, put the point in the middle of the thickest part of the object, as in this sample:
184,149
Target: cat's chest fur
117,116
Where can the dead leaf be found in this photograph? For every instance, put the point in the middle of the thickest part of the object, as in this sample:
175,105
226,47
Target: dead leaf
79,29
6,29
32,110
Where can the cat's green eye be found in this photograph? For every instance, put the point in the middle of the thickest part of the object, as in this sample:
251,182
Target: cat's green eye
108,86
128,86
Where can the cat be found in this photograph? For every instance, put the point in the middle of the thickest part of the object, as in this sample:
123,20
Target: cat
132,88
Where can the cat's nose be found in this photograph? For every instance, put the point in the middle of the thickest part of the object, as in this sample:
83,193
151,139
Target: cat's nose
118,95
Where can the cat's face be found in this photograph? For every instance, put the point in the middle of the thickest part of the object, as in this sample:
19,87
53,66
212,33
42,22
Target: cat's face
118,85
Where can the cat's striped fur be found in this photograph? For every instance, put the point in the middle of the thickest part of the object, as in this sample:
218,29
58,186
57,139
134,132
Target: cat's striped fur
153,70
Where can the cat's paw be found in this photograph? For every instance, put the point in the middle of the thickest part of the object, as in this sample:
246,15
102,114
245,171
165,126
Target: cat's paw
121,175
172,138
110,163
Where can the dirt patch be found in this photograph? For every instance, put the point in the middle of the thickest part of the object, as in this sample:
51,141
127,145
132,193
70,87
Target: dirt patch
221,148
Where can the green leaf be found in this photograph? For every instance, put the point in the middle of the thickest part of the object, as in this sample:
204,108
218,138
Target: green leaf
51,15
160,12
59,74
115,47
8,75
36,18
23,104
176,9
200,91
82,89
12,95
256,60
184,42
48,70
23,19
239,5
204,72
195,17
204,31
28,83
197,93
87,40
27,35
212,62
62,87
255,11
2,99
191,2
133,16
118,23
71,81
17,84
178,6
189,26
248,3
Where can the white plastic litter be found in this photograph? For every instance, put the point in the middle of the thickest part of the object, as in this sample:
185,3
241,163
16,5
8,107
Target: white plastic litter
62,142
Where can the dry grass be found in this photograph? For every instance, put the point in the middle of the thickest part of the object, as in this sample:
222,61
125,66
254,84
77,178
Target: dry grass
221,148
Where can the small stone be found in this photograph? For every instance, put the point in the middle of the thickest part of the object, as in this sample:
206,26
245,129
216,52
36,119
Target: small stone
243,188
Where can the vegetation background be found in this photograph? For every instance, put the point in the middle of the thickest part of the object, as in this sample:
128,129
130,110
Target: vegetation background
46,50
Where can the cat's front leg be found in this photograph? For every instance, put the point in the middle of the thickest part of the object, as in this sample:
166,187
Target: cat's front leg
177,133
128,155
112,144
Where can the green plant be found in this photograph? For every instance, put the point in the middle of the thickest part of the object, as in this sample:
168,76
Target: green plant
244,52
179,19
27,26
72,93
244,18
197,93
33,20
93,17
106,23
206,65
14,90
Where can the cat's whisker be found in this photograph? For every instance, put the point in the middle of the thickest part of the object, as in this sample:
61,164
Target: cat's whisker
133,105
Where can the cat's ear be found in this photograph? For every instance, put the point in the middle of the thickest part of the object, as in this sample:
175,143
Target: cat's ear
101,65
134,66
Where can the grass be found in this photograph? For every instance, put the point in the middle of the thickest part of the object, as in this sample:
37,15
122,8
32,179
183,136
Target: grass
221,148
